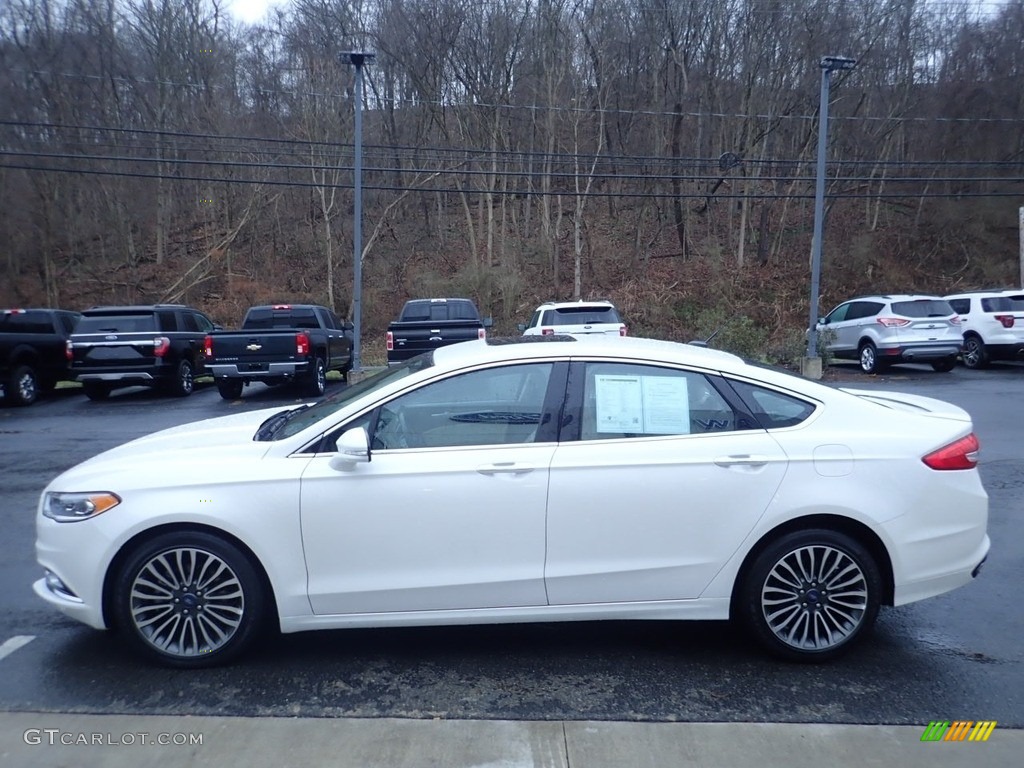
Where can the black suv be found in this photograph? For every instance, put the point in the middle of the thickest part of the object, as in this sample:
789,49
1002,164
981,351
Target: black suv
159,345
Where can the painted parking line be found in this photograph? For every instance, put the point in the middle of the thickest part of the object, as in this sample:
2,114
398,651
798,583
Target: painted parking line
16,642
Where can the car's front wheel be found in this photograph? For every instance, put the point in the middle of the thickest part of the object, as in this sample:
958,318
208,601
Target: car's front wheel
189,599
810,595
974,353
868,358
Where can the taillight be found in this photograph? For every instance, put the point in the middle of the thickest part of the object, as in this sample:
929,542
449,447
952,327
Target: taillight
1006,320
481,333
547,331
893,322
301,344
961,454
208,346
389,341
955,320
623,331
160,346
69,350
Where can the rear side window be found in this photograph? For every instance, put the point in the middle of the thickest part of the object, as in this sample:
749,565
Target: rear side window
126,323
923,308
25,322
861,309
773,409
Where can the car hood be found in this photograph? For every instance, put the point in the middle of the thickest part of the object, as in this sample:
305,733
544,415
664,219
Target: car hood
924,406
198,446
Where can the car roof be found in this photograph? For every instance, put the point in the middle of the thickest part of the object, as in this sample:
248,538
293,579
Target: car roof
896,297
580,303
527,347
134,308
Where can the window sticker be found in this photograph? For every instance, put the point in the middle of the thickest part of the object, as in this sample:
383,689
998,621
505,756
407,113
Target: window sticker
653,405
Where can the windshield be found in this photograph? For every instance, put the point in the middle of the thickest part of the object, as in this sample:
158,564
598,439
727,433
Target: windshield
298,420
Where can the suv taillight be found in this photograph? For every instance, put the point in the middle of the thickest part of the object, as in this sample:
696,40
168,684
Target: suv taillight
208,346
1006,320
547,331
389,341
623,330
481,333
160,346
960,454
69,350
893,322
301,344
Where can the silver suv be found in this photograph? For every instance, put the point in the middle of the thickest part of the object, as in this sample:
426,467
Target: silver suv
993,325
879,331
575,317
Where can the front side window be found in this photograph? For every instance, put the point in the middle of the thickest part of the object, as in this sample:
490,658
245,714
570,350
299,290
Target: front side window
963,306
495,406
626,400
838,314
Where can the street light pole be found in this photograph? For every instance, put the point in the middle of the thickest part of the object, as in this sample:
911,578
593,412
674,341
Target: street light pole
358,59
828,64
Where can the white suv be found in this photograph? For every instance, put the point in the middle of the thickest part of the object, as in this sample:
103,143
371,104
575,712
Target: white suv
878,331
575,317
993,325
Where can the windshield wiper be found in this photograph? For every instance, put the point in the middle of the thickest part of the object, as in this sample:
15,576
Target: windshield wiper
270,426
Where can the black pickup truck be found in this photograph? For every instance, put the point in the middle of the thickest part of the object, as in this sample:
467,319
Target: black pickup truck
33,351
153,345
277,344
426,324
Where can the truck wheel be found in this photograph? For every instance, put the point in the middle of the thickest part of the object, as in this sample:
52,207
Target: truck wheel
182,383
22,388
316,384
94,390
230,389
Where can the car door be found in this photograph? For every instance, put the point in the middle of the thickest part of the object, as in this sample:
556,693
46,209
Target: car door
665,481
834,330
449,512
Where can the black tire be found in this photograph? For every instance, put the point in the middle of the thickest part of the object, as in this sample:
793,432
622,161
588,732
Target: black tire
96,390
22,386
213,612
792,614
867,357
944,366
974,353
316,383
183,382
230,389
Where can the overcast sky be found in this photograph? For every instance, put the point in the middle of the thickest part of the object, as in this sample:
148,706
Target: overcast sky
250,11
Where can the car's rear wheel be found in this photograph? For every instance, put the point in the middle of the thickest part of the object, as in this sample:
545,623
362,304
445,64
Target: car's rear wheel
868,358
95,390
189,599
316,384
810,595
944,366
183,382
22,386
230,389
974,353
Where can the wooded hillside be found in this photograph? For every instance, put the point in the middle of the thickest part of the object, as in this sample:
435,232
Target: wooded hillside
660,153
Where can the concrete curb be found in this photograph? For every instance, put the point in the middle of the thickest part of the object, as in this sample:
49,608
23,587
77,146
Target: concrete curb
28,740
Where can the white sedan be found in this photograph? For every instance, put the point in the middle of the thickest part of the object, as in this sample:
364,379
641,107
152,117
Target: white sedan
536,479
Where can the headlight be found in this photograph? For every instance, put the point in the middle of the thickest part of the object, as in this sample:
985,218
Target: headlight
69,507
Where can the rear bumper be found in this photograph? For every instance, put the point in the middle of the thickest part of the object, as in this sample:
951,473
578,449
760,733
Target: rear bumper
918,353
257,370
118,376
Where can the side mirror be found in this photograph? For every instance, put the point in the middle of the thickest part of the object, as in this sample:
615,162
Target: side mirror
347,326
822,321
353,448
522,327
488,322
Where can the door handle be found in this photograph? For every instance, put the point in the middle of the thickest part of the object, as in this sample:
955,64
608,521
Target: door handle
742,460
505,468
